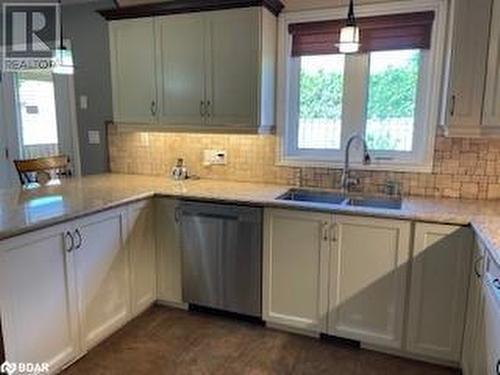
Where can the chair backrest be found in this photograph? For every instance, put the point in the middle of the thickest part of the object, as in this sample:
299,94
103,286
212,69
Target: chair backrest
29,169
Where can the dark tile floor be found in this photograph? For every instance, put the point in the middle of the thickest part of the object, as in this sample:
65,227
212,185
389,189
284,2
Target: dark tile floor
168,341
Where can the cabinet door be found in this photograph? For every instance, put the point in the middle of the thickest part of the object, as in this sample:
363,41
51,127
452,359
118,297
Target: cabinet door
168,251
468,69
368,279
491,115
438,292
38,299
102,276
480,365
132,50
233,52
492,326
473,310
181,47
141,245
296,250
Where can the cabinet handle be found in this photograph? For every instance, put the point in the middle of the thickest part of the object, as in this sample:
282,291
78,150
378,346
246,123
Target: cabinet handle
452,105
498,367
203,110
153,108
476,266
333,231
177,215
325,231
79,236
208,108
71,242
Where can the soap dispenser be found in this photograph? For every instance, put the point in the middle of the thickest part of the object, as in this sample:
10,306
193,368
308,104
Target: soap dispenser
179,172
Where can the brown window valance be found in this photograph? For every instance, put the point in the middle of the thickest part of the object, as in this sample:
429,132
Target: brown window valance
379,33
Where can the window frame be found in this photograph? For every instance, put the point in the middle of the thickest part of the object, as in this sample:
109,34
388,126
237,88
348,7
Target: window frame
427,114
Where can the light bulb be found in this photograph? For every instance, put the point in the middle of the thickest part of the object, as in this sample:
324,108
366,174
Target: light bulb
349,39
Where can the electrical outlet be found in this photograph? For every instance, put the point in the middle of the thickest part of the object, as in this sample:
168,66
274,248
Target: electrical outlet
94,137
214,157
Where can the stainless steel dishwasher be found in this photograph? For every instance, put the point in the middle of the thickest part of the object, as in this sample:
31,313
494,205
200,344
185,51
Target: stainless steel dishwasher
222,256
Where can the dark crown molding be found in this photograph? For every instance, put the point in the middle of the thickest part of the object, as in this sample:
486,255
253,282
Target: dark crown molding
186,6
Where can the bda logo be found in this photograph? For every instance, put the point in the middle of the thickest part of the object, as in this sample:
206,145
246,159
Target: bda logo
8,368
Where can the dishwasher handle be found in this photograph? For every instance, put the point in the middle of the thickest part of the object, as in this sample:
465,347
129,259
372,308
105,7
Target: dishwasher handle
221,212
212,215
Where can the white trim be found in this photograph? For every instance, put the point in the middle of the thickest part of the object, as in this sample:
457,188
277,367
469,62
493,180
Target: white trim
75,137
12,117
432,91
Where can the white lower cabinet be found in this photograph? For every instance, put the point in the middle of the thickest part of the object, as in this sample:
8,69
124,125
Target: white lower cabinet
368,269
296,253
472,350
66,288
491,319
363,293
102,275
438,292
141,244
357,264
168,247
38,298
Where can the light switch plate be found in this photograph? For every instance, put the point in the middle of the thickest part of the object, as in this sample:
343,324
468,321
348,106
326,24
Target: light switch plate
84,102
215,157
94,137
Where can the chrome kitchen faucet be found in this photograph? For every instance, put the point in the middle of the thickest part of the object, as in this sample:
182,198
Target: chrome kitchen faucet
348,181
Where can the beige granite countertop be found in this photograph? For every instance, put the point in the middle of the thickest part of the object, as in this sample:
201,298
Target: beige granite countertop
22,211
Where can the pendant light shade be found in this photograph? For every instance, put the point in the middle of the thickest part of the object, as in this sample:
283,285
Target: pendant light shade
349,34
62,55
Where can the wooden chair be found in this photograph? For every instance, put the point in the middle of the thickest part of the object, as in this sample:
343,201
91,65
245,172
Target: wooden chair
30,170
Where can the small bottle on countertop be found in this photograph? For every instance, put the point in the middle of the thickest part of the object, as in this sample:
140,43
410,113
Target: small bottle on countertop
180,172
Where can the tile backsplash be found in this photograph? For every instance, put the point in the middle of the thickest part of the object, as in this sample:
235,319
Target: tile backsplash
463,168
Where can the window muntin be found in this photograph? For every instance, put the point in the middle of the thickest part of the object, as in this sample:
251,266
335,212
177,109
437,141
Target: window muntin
321,88
392,100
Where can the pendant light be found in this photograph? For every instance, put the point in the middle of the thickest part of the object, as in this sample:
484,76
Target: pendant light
62,55
349,34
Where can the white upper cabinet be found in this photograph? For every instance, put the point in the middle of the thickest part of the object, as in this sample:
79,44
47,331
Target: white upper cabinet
102,275
233,56
206,71
369,264
132,52
181,79
473,100
469,53
491,114
38,299
438,291
295,284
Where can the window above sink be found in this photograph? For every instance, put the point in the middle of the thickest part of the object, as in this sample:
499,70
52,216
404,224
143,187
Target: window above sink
389,94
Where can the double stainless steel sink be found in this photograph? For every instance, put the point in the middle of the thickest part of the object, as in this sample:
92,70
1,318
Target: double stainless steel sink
332,198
